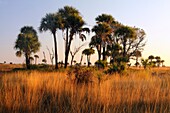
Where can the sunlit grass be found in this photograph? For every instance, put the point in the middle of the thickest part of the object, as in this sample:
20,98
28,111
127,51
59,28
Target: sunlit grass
52,92
9,67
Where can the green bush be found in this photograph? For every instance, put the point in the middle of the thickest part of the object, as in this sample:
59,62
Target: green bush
101,63
116,68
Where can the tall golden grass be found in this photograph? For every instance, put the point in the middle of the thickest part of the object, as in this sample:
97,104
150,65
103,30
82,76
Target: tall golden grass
52,92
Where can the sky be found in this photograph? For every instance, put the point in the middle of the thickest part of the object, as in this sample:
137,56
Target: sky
151,15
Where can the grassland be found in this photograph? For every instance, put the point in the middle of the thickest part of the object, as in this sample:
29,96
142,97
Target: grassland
137,91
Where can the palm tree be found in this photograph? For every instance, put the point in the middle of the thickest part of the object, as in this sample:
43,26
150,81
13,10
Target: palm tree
114,50
73,23
162,61
137,55
103,29
88,52
145,63
96,42
151,57
36,57
51,22
158,60
44,60
31,59
125,34
106,18
27,43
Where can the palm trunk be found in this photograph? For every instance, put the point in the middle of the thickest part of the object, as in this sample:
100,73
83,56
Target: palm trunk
104,55
56,55
81,59
136,61
88,63
124,49
99,52
27,60
72,58
66,49
35,61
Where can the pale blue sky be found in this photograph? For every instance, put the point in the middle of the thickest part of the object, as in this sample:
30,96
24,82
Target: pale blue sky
151,15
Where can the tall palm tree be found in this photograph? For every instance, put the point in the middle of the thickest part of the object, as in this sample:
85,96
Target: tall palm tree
162,61
27,43
96,42
88,53
31,60
125,34
158,60
145,63
114,50
73,23
51,22
151,57
103,29
36,57
137,55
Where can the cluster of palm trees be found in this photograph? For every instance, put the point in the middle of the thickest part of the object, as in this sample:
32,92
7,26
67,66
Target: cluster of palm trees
69,20
152,61
116,41
112,40
156,61
33,59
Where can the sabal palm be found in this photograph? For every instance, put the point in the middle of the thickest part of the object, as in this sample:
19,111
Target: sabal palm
31,59
27,43
103,29
137,55
162,61
96,42
105,18
36,57
88,53
72,22
151,57
125,33
158,60
51,22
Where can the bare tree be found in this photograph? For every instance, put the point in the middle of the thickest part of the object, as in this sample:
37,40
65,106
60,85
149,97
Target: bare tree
81,58
44,60
76,50
51,55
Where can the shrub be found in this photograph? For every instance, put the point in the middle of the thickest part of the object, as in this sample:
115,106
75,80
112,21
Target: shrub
118,65
101,63
81,74
115,67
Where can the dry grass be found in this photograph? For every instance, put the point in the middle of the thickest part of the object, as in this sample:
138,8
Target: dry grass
9,67
52,92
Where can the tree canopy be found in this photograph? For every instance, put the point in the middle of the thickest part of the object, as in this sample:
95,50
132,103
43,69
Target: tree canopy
27,43
114,42
51,22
